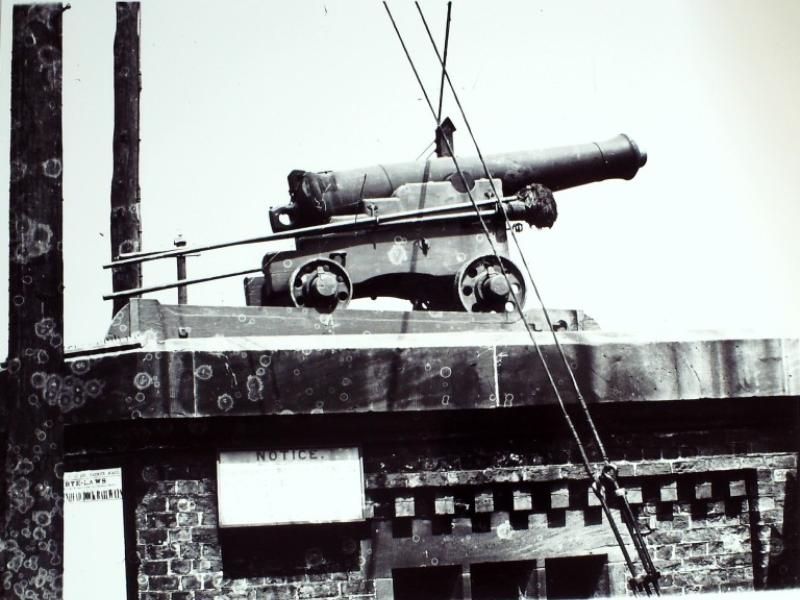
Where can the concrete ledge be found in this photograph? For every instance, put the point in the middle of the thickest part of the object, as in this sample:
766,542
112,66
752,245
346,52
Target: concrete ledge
391,372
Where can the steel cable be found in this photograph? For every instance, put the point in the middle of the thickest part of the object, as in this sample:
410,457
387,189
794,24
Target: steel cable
638,543
581,400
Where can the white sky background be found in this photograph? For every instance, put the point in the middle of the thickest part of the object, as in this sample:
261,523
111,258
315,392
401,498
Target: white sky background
236,94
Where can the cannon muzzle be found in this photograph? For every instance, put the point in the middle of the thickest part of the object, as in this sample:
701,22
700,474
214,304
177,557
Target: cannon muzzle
316,197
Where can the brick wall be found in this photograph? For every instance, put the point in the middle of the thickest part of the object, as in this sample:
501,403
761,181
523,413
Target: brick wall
176,523
180,548
713,523
716,498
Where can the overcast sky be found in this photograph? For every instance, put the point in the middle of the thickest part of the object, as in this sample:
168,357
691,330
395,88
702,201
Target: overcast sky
238,93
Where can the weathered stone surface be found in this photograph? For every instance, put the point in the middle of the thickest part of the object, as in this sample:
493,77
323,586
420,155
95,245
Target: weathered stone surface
404,506
316,374
484,501
522,500
559,495
668,491
444,505
702,489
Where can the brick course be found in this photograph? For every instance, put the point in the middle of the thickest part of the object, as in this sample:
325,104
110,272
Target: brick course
715,490
702,533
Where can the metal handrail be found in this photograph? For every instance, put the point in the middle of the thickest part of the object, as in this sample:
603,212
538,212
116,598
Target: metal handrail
394,218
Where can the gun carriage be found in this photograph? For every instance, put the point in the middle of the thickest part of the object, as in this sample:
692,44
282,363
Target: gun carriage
413,230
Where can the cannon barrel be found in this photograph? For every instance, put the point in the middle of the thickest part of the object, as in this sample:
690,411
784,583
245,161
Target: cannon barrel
316,197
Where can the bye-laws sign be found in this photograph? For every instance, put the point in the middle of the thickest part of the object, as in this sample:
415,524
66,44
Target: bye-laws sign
290,485
94,535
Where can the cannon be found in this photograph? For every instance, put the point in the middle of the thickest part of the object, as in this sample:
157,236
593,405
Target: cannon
418,230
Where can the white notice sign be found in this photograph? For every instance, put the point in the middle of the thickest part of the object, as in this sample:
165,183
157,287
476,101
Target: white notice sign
290,485
94,535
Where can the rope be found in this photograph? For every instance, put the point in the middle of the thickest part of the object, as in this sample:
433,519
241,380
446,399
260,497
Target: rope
581,400
609,471
549,374
444,62
423,152
627,514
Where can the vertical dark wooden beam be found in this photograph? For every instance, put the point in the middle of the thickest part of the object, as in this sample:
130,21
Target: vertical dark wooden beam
126,229
31,555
